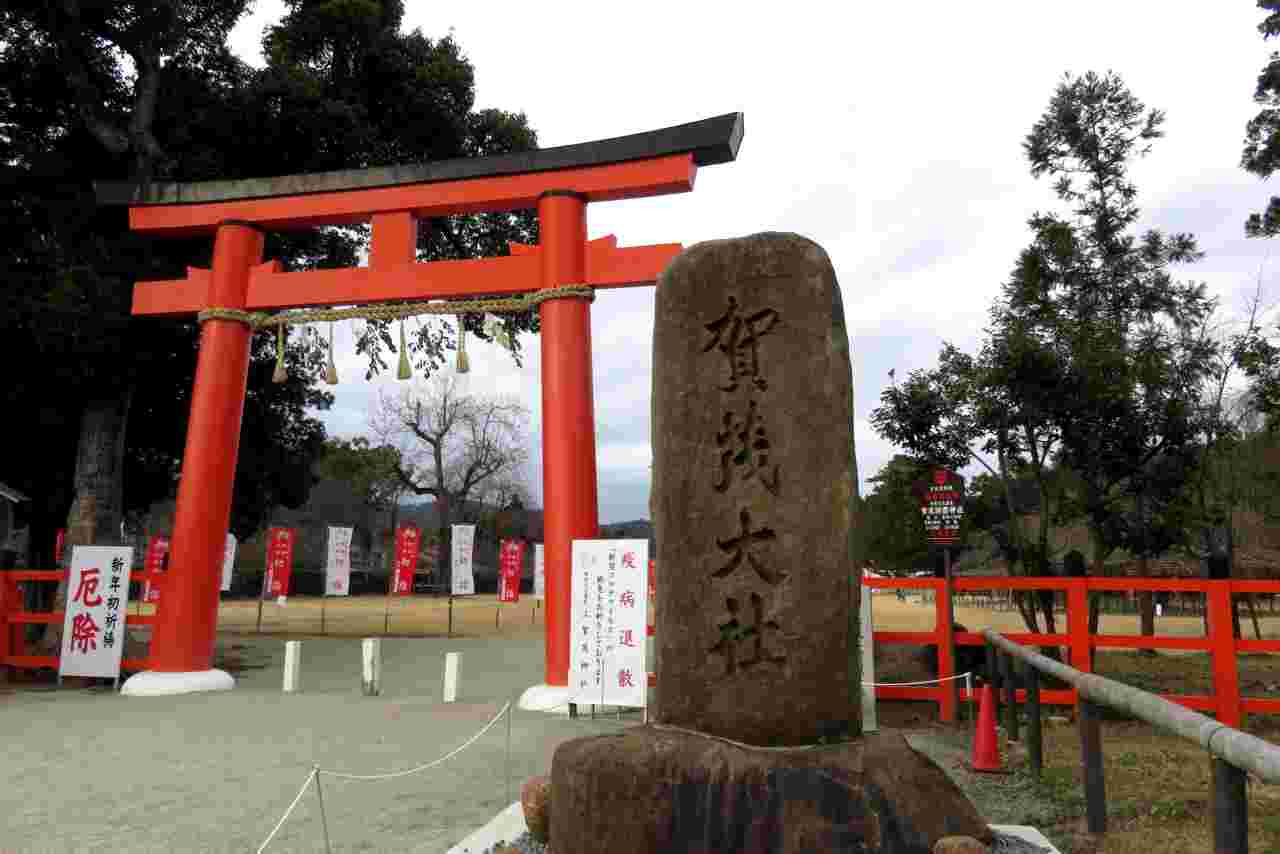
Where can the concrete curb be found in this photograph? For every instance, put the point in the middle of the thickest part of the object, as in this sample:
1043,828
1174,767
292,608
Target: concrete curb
505,826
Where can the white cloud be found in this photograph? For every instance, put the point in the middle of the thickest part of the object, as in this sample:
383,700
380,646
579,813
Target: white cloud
889,133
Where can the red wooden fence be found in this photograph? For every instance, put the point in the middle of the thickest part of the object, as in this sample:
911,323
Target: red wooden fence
1221,643
14,618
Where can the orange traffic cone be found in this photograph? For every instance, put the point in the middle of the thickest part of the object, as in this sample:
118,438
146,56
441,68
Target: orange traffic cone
986,746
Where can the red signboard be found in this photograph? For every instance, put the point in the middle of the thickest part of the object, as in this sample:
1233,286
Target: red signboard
408,541
57,545
942,505
157,549
279,560
511,564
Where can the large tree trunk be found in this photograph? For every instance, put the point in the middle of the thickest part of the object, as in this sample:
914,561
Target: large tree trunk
97,509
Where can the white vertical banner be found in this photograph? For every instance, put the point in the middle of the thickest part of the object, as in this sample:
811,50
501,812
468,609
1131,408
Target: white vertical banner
462,573
337,564
228,561
539,572
93,624
609,598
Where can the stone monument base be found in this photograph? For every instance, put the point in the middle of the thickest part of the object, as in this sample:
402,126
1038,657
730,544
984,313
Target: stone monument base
659,789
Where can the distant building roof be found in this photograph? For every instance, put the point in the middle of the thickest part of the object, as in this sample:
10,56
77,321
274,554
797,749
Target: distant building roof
12,494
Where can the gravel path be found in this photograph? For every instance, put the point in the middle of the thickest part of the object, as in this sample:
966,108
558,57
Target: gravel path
1012,798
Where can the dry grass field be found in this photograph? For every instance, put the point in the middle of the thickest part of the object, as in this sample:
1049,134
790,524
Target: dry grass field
374,616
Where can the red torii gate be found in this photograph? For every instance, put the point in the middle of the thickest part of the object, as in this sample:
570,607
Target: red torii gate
559,182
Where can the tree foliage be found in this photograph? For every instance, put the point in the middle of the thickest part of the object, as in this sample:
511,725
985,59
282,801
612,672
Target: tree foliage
891,513
1127,352
371,471
1261,153
147,89
1088,379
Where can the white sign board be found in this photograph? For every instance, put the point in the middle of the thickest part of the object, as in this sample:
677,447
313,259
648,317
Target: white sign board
609,594
228,561
97,599
464,580
539,571
337,565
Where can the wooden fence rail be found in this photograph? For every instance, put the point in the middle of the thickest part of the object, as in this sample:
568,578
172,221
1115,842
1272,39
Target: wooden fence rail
14,618
1220,643
1234,753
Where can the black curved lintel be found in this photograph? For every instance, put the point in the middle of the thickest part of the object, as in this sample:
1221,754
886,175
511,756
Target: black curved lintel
710,141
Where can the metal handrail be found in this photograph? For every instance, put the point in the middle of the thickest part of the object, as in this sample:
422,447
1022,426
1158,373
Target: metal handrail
1246,752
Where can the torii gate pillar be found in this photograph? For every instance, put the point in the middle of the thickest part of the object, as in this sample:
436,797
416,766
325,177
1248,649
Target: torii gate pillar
182,650
568,420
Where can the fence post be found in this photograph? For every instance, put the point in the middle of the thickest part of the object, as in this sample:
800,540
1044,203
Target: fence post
1222,640
1078,628
866,616
993,677
292,665
1095,787
1230,809
6,600
1035,737
371,661
946,639
1011,686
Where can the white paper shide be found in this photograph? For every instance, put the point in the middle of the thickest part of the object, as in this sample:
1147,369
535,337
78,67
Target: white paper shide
97,601
337,565
607,622
464,540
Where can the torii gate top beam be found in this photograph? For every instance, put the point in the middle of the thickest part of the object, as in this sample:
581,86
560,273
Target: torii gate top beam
643,164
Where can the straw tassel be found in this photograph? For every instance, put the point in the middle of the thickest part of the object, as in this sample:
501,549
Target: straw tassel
331,370
406,370
463,365
280,375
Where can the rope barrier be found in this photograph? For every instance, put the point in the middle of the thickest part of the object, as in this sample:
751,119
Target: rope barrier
911,684
316,771
285,817
341,776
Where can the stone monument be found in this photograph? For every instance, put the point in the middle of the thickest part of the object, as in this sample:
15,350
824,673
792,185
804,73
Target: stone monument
754,484
755,743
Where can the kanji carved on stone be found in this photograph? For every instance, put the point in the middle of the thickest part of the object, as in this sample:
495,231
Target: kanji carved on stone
740,548
744,445
739,339
737,637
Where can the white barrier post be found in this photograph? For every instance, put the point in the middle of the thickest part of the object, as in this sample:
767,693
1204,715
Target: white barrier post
292,658
867,620
451,676
372,677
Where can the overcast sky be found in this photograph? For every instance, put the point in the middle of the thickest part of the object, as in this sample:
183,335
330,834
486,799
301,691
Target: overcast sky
891,135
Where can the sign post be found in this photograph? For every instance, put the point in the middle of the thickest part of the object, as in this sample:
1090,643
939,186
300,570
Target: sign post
93,624
608,619
942,505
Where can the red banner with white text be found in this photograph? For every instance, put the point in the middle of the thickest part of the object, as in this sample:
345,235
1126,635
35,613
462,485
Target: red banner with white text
511,563
157,549
408,542
279,560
